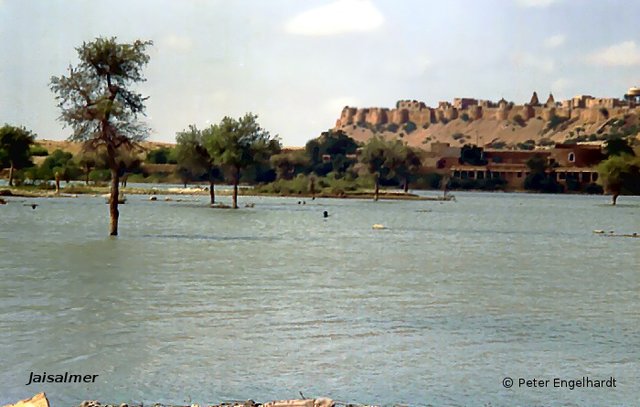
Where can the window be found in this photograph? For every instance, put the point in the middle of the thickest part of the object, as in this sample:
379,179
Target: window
563,175
594,176
572,157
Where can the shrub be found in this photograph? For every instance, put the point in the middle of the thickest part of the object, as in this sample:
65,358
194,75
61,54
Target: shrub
457,136
409,127
519,120
39,151
464,117
555,121
100,175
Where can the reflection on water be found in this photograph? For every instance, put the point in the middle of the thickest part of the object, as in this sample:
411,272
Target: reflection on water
193,303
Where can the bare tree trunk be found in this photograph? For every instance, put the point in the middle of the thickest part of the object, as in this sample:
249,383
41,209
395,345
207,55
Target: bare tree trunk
212,192
57,178
236,180
614,198
11,173
86,176
312,187
377,190
406,184
113,203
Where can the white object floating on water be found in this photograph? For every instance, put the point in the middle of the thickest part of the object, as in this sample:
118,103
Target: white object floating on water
598,231
378,226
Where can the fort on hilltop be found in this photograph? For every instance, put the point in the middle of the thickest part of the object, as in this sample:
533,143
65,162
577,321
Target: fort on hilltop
485,122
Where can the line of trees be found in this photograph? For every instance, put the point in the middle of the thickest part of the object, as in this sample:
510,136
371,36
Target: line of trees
226,148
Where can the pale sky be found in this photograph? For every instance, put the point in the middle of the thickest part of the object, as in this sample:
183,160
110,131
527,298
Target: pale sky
298,63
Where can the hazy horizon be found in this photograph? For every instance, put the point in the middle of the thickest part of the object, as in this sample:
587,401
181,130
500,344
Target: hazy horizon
297,64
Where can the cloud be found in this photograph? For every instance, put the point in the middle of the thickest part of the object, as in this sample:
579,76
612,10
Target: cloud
535,3
338,17
554,41
526,60
335,105
560,85
177,42
624,54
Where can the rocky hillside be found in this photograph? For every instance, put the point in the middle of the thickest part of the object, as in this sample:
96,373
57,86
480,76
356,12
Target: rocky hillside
497,125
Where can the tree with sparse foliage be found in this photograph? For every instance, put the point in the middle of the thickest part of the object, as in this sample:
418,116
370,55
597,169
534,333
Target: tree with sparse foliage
194,159
237,144
15,148
97,102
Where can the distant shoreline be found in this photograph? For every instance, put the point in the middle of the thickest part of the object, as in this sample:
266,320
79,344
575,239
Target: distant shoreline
75,191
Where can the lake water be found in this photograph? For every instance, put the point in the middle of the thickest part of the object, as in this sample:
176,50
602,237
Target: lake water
207,305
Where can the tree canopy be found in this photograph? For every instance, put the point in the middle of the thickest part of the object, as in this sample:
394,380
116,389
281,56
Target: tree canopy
388,159
15,148
97,101
194,159
619,174
237,144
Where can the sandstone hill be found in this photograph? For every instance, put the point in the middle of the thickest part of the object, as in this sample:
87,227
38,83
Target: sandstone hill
499,124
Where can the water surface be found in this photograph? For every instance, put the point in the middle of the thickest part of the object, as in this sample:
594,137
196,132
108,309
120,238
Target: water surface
199,304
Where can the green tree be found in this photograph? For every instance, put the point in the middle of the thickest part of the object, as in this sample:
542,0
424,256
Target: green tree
237,144
409,166
193,158
162,155
618,146
472,155
619,173
539,178
60,162
88,160
335,144
97,102
15,148
286,164
383,160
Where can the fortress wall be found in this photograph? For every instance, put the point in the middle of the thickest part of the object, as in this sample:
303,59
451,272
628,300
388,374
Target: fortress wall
399,116
474,112
450,113
563,112
547,113
361,115
410,105
420,117
502,113
524,111
377,116
346,117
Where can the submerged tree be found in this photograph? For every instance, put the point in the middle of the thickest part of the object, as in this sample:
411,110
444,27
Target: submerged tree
15,148
237,144
377,160
194,159
410,164
619,173
98,104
